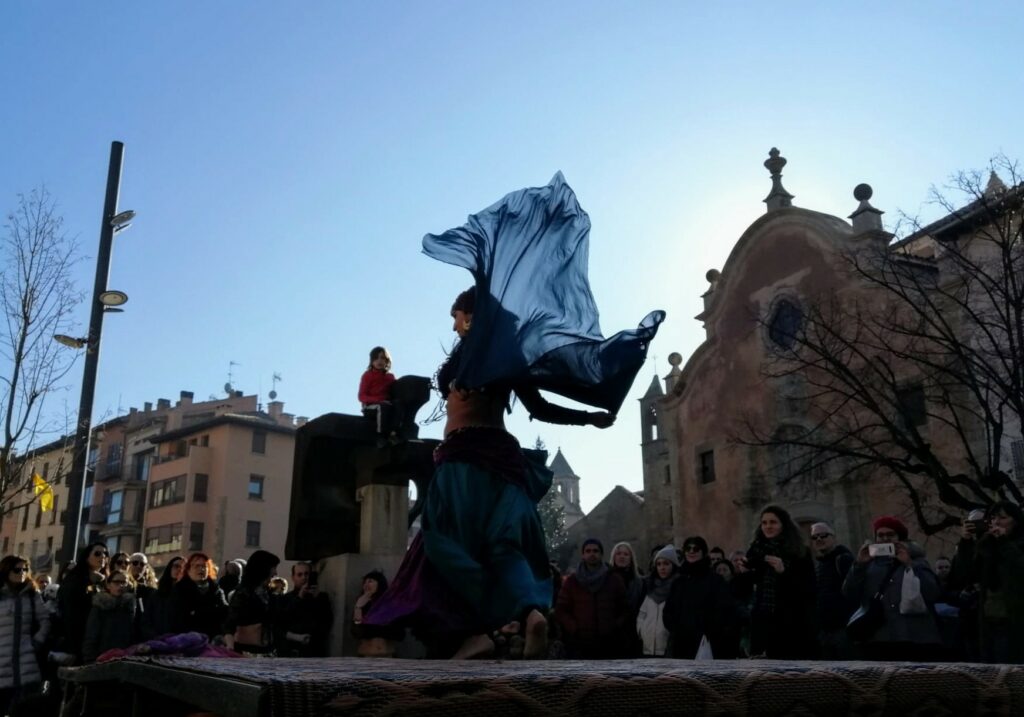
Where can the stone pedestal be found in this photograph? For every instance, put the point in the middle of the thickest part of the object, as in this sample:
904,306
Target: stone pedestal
383,519
383,536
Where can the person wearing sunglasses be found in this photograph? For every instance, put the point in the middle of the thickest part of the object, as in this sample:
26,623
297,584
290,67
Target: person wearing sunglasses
699,606
143,575
111,623
832,563
24,625
74,599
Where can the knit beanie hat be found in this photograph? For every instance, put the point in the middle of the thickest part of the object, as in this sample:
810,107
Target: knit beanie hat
668,553
892,523
592,541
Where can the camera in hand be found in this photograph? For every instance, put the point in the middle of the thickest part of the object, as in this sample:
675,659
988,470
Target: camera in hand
882,550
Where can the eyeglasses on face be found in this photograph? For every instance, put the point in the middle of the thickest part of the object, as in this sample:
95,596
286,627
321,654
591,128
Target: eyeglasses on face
138,563
120,562
19,570
100,554
821,536
692,549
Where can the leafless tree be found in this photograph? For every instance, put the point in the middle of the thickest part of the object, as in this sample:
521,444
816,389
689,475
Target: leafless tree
917,372
37,298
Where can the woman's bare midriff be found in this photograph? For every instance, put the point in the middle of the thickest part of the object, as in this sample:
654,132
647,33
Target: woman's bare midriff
475,408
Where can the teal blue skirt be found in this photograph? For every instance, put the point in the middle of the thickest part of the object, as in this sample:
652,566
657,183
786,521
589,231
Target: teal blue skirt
484,536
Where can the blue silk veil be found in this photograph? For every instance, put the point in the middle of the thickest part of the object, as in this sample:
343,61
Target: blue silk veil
535,321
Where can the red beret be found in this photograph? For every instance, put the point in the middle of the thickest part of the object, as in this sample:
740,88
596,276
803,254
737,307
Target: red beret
892,523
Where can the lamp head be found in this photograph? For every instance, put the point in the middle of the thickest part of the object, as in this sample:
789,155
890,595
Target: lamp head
113,298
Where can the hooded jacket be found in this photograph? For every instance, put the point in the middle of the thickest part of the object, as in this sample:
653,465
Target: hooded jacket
111,624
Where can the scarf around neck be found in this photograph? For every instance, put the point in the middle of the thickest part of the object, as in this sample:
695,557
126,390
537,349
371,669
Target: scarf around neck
659,588
592,580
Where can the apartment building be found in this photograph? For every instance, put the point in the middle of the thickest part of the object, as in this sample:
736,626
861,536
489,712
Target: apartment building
220,485
228,453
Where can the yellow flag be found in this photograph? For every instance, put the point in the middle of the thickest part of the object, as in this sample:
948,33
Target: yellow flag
44,491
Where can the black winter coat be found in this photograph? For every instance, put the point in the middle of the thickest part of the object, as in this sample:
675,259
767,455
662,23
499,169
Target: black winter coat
194,610
787,631
834,609
701,603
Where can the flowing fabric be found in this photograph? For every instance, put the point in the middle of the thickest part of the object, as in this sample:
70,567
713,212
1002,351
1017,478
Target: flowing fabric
535,319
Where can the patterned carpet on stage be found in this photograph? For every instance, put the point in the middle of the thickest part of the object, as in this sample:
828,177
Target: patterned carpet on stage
375,688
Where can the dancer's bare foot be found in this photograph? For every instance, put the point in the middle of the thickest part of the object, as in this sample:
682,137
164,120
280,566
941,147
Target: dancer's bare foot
475,646
536,636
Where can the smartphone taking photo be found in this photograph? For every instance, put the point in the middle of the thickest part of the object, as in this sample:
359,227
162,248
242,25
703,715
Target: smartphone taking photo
882,550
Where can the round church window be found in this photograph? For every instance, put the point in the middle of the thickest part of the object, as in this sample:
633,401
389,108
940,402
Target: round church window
785,324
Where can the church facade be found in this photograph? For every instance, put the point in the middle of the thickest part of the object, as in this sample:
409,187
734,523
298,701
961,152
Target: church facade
702,474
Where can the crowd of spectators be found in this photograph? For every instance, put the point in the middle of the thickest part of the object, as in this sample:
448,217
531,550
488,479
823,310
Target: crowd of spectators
789,595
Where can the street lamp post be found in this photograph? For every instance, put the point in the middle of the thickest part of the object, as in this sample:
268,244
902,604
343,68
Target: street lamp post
112,221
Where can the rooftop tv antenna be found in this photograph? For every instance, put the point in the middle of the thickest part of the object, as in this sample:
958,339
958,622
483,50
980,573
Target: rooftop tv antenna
229,387
274,381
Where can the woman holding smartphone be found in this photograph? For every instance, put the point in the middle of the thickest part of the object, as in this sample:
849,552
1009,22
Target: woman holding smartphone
991,555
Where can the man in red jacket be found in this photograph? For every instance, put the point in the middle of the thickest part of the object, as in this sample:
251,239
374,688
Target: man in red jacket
592,608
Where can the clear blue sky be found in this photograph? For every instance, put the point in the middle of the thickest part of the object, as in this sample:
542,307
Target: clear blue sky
285,160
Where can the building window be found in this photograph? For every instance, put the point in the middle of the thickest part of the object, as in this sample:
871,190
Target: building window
21,549
141,466
35,550
671,519
168,491
163,539
24,520
668,476
255,487
114,510
1017,449
195,536
55,511
46,470
91,461
706,467
252,533
785,324
39,514
113,466
49,546
7,542
259,442
204,440
87,496
910,400
199,489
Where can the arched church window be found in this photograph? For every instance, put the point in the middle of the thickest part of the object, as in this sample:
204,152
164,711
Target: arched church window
652,423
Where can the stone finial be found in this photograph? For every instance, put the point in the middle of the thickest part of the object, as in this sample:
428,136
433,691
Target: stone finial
778,197
713,276
995,185
865,218
675,359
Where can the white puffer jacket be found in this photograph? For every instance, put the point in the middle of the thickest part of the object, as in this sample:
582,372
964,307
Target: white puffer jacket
651,628
16,636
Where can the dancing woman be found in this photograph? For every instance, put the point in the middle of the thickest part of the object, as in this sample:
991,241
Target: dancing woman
480,565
